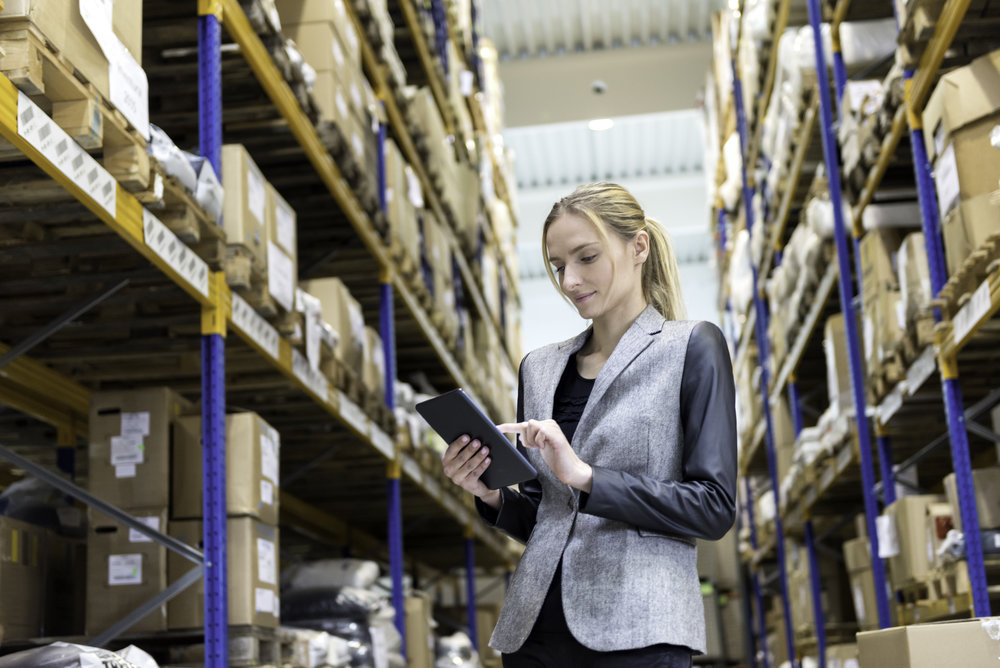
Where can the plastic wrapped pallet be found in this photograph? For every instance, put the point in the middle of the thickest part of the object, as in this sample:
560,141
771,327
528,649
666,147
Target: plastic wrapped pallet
331,573
66,655
865,43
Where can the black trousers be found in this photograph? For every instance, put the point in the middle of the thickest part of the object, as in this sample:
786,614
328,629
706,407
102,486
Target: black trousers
551,645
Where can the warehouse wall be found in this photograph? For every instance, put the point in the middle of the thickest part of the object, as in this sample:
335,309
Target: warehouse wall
679,201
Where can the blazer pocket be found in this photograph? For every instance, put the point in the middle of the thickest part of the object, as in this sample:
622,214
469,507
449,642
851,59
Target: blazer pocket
648,533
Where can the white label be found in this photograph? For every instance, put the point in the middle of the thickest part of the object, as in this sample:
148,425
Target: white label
124,569
266,492
136,423
859,602
259,330
358,145
263,600
125,471
972,313
266,563
139,537
178,256
382,442
920,370
284,217
938,139
129,88
338,53
353,414
869,334
127,449
341,103
411,469
465,82
930,547
946,178
277,606
256,193
851,663
379,651
996,541
269,445
888,538
314,336
65,154
280,276
310,377
97,14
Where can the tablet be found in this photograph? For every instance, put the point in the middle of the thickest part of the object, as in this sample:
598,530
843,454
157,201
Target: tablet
453,414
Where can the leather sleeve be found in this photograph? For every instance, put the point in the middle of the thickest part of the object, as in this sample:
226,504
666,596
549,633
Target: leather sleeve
703,503
518,509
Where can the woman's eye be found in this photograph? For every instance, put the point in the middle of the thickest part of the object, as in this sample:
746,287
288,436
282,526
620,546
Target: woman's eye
589,258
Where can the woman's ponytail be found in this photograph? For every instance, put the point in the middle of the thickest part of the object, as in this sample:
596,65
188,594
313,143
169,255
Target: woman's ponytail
661,283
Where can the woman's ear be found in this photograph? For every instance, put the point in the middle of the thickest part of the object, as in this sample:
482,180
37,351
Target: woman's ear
640,247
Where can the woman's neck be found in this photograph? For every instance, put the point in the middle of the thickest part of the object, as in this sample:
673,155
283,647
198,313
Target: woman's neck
610,327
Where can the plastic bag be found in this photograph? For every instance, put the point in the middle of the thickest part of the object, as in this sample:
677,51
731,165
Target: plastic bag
331,573
65,655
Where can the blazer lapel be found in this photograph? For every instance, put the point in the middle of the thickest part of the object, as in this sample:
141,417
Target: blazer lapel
552,367
636,338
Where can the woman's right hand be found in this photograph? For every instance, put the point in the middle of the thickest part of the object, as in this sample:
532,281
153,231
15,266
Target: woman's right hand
464,462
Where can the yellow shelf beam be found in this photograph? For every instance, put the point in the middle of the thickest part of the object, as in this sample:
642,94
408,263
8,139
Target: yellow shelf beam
930,62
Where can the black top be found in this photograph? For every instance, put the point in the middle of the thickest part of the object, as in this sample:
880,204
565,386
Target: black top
571,398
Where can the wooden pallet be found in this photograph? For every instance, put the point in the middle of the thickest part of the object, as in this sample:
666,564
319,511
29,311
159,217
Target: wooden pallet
38,69
979,26
248,646
882,379
980,264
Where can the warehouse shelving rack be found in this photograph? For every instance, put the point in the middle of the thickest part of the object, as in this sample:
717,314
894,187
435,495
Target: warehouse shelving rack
896,412
56,398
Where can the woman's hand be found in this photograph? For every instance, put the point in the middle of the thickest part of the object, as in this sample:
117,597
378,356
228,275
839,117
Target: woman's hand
464,462
548,438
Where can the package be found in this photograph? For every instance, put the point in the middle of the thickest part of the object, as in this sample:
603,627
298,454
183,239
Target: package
838,365
966,227
913,558
66,655
22,574
331,95
173,160
373,372
987,484
962,96
244,212
130,440
293,13
252,556
970,643
282,253
343,313
125,569
401,202
208,191
859,569
969,166
914,276
842,656
878,249
352,573
320,45
938,521
252,456
419,631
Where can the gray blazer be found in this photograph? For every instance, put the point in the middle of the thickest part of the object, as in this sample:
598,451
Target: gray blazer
629,574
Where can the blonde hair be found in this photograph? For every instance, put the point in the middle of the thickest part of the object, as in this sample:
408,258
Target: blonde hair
608,206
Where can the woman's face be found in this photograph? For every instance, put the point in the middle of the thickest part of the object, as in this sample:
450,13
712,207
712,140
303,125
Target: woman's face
595,275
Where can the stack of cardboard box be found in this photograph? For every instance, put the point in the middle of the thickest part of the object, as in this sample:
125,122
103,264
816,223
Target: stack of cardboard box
131,436
403,196
343,313
859,570
917,534
883,324
252,469
958,120
436,257
915,288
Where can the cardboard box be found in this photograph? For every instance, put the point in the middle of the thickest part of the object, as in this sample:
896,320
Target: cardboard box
970,643
966,228
842,656
987,484
914,276
878,251
859,569
282,249
252,456
939,522
343,313
252,556
334,12
909,515
65,608
373,373
320,44
22,572
962,96
244,210
402,194
124,570
419,632
130,440
969,166
838,366
331,96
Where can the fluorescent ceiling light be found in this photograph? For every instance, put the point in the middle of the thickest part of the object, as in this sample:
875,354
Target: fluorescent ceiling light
601,124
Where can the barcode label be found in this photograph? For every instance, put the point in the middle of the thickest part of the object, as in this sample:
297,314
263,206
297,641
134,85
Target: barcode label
920,370
176,254
890,405
972,313
259,330
311,378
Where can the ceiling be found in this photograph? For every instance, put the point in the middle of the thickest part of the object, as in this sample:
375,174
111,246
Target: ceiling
640,146
538,28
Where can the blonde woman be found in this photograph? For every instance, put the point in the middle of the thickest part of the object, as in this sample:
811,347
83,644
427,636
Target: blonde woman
631,426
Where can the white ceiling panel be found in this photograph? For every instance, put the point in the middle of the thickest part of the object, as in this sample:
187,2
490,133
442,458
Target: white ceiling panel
535,28
641,146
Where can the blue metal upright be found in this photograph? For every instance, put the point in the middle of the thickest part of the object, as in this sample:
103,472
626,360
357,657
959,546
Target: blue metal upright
951,390
795,405
758,593
470,588
846,306
817,594
760,327
213,372
394,482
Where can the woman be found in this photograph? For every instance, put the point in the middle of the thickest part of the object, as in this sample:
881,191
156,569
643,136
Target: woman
631,426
